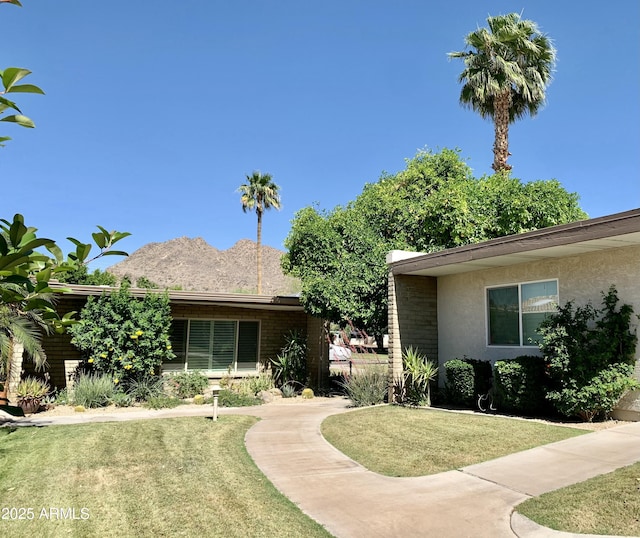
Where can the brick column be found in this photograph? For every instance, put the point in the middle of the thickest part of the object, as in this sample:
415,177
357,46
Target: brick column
413,320
395,343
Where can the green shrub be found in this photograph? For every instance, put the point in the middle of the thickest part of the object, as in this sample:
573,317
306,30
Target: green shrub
520,385
162,402
94,390
460,382
252,385
61,397
482,375
124,336
198,399
367,387
145,387
596,399
122,399
228,398
263,381
589,354
307,393
188,384
465,379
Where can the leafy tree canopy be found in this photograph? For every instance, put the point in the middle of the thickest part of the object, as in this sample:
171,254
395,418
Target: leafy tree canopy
433,204
10,79
81,275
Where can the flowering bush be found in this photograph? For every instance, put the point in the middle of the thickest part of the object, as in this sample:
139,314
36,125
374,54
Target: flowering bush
124,337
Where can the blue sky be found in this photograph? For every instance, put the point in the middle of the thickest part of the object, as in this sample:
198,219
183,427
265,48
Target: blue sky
155,111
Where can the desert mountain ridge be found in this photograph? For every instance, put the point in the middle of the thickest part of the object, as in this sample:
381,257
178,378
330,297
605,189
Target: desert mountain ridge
193,265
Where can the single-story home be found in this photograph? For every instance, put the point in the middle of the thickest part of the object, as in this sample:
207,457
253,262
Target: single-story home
254,326
440,302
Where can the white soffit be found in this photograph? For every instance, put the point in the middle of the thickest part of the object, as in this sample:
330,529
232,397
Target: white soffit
476,262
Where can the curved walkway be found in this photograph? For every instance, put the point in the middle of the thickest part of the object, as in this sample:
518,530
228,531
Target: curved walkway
350,501
476,501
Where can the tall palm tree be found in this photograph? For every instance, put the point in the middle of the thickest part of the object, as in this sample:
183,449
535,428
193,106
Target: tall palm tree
259,193
505,75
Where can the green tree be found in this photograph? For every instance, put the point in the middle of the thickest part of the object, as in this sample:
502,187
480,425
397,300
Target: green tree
125,337
144,282
505,75
259,193
434,203
340,261
27,302
81,275
10,78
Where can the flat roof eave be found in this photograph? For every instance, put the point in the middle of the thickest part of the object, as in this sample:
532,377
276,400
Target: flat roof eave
611,231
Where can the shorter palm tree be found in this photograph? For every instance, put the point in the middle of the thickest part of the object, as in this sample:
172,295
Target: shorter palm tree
20,331
259,193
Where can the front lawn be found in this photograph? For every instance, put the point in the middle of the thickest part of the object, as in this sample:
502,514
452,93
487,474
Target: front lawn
607,504
163,477
400,441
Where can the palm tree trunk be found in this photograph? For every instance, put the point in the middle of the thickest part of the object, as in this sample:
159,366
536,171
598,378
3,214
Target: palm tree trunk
501,119
259,251
13,370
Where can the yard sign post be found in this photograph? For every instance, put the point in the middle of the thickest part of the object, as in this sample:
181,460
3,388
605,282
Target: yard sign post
215,391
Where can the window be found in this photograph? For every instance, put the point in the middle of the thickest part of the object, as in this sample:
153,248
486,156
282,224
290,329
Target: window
515,312
214,345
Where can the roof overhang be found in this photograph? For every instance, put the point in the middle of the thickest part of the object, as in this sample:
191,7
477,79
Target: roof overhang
603,233
178,297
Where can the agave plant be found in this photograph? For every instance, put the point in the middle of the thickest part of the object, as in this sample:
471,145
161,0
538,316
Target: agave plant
418,373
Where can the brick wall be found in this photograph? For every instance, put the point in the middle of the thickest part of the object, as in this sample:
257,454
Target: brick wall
413,319
274,324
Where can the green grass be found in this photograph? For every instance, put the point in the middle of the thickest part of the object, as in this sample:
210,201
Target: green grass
607,504
165,477
399,441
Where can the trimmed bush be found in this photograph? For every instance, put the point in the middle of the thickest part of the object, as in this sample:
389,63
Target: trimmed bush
520,385
465,379
459,384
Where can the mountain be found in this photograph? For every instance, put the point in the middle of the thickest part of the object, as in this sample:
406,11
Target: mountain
193,264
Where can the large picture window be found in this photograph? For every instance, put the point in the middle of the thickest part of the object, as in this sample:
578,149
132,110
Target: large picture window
214,345
515,312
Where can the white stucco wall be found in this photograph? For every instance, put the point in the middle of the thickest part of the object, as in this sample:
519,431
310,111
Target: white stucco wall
582,278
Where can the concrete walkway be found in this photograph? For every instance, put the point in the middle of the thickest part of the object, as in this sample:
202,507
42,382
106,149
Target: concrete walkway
476,501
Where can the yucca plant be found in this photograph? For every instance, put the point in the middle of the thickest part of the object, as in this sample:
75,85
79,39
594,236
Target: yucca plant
418,373
368,387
